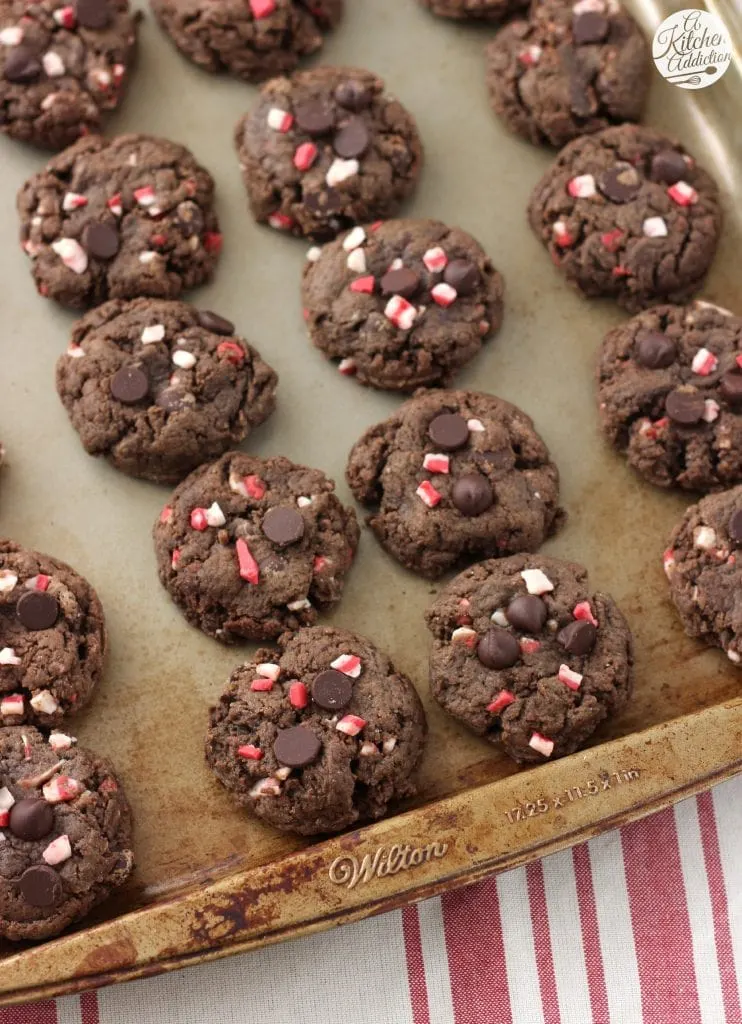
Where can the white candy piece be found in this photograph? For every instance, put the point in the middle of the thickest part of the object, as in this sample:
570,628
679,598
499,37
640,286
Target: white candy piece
476,426
58,851
389,744
53,64
702,304
266,787
302,501
72,201
463,635
357,261
282,773
6,799
368,749
8,581
147,256
184,360
12,706
704,537
499,618
268,670
582,187
314,254
340,170
8,657
654,227
215,516
734,657
44,702
153,333
704,362
279,120
536,581
711,410
353,239
435,259
11,36
299,606
541,744
72,254
61,741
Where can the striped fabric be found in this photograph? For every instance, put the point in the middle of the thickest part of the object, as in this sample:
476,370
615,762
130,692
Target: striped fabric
641,926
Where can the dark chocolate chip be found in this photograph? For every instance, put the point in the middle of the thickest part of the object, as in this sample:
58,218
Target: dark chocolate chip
36,610
353,96
93,13
332,690
129,385
101,240
472,494
731,387
589,27
32,818
402,282
283,525
22,65
655,350
214,323
448,431
668,166
620,184
498,649
578,637
685,407
190,218
171,400
463,275
735,526
352,140
315,117
527,612
296,747
321,203
41,886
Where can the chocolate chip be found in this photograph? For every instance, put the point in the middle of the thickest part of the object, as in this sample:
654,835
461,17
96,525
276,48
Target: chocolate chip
101,240
31,818
22,65
296,747
214,323
353,96
352,140
498,649
332,690
735,526
685,407
669,166
620,184
472,494
448,431
315,117
731,387
527,612
321,203
41,886
37,610
655,350
402,282
190,218
171,400
283,525
93,13
578,637
589,27
463,275
129,385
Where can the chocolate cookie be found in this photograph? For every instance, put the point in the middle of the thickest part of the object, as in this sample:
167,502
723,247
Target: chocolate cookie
455,476
627,213
568,70
62,66
703,564
52,638
159,387
401,304
119,219
326,149
252,39
320,736
527,656
670,394
66,830
477,10
248,547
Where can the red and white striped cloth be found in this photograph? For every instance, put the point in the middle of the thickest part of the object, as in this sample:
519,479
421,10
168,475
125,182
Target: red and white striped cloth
641,926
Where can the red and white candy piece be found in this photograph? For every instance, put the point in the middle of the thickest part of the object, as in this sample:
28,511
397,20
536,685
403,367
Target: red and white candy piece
175,560
562,236
40,582
119,70
402,313
654,227
280,120
704,537
305,156
351,725
530,56
357,261
145,196
569,678
584,613
73,201
114,205
75,351
704,362
249,569
198,519
428,494
536,581
582,187
266,787
298,694
6,801
435,260
59,741
682,193
100,78
167,514
72,254
269,670
541,744
280,222
363,285
612,239
435,462
262,8
11,36
153,333
248,486
250,752
444,295
668,561
528,645
464,635
319,563
354,238
340,170
8,581
61,789
8,656
58,851
348,664
44,702
348,368
501,701
183,360
711,410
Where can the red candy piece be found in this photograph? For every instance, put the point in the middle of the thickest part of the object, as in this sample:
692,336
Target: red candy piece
298,695
213,242
42,582
621,271
232,352
365,285
176,558
319,563
583,612
351,725
145,195
682,193
114,204
167,514
249,569
65,16
4,818
255,487
249,752
261,685
501,701
305,156
198,519
280,222
262,8
529,646
428,494
569,678
612,239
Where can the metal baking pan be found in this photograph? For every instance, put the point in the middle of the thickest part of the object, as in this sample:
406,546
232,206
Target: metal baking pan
210,880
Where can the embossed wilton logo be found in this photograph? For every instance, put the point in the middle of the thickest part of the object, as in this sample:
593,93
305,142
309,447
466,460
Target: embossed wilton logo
349,870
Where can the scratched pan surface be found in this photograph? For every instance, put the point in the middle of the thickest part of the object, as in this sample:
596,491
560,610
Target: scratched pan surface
149,714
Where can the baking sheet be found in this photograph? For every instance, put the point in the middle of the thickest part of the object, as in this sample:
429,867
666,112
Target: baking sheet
150,712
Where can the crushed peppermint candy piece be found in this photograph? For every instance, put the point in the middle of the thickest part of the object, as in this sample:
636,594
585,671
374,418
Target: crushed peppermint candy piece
351,725
363,285
198,519
348,368
682,193
704,537
114,205
269,670
249,569
541,744
184,360
711,410
464,635
262,8
612,239
584,613
75,351
319,563
402,313
72,254
62,788
175,560
435,260
303,501
396,264
57,851
734,656
250,752
389,744
11,36
668,561
280,120
500,618
354,238
704,362
582,187
282,773
444,295
428,494
44,702
148,256
305,156
357,261
215,516
61,741
300,605
266,787
249,486
528,645
6,799
53,64
340,170
368,749
569,678
145,196
8,656
261,685
437,463
314,253
73,201
536,581
475,426
562,236
280,222
298,694
501,701
167,514
654,227
8,581
153,333
348,664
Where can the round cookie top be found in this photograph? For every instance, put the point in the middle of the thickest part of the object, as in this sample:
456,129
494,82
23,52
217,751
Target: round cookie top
52,638
476,10
670,394
455,476
628,213
568,70
528,656
326,149
66,828
320,736
702,563
159,387
401,304
252,39
249,547
61,66
119,218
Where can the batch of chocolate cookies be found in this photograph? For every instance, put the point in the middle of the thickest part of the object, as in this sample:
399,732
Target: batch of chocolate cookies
320,731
